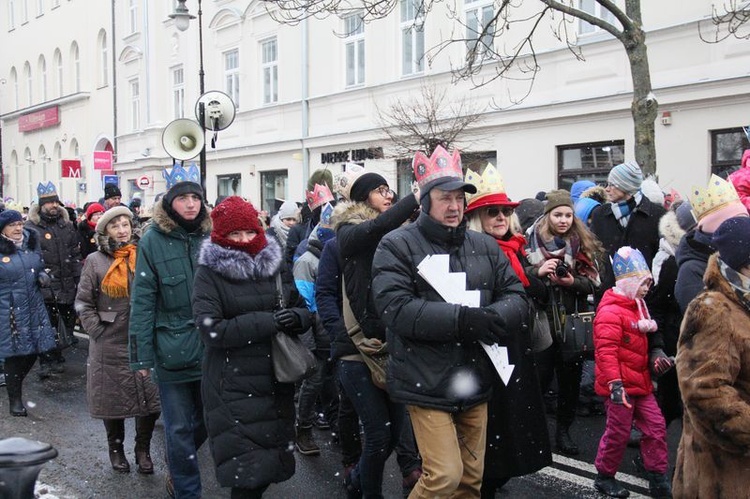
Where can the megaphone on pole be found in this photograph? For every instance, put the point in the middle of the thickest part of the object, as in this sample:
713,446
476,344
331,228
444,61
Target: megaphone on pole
183,139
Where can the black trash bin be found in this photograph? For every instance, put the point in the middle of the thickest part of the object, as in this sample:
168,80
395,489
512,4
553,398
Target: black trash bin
21,460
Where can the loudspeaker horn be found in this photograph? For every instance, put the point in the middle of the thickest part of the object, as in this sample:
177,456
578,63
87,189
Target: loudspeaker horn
183,139
218,108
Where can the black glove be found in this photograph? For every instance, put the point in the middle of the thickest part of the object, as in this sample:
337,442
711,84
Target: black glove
287,321
481,324
43,279
659,362
617,394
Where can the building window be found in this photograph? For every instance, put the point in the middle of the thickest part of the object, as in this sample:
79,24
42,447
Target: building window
178,92
55,3
592,7
412,37
11,15
133,15
270,71
228,185
274,186
480,29
75,55
42,78
29,84
58,72
135,105
103,59
588,161
25,7
39,7
354,45
14,86
727,146
232,75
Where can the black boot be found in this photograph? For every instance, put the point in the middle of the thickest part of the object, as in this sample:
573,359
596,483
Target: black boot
144,428
306,442
659,486
115,435
607,485
564,442
15,396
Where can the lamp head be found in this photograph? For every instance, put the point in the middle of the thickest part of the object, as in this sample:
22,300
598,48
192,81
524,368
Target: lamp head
181,16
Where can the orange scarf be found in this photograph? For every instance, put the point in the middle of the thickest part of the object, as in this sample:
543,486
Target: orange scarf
115,282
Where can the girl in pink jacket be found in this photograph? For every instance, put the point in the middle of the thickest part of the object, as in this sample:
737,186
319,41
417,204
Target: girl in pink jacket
622,373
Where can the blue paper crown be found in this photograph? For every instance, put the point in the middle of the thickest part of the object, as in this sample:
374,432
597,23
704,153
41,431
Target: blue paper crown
325,214
46,190
629,266
179,174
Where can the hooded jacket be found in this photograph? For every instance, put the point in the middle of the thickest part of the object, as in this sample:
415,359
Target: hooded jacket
692,257
249,415
162,333
712,358
61,253
24,324
425,338
113,390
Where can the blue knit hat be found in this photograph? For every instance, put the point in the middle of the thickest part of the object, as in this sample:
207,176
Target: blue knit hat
8,217
627,177
578,187
584,207
732,239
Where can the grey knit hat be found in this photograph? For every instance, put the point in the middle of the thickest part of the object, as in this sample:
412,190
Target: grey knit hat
627,177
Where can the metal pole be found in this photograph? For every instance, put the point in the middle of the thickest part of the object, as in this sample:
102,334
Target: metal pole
201,109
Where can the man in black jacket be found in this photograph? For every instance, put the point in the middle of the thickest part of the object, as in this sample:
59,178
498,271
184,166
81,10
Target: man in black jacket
437,366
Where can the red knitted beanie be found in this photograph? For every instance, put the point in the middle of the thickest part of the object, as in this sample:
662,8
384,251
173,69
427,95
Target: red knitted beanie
234,213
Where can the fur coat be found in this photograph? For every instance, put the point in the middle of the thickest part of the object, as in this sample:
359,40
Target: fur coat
713,368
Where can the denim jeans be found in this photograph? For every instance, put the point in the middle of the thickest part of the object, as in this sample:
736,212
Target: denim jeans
185,431
382,420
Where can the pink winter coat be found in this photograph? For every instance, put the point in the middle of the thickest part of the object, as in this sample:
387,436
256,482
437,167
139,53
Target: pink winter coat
741,179
620,348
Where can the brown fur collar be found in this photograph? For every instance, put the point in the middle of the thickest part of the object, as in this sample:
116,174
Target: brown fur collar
670,229
162,219
350,212
35,218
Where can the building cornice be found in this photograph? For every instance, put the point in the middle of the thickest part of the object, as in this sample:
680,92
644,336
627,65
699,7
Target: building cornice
68,99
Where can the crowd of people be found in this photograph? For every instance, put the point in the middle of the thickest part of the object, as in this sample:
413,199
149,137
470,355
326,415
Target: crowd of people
181,306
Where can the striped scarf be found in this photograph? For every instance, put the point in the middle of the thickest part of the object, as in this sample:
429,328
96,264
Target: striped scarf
739,283
623,209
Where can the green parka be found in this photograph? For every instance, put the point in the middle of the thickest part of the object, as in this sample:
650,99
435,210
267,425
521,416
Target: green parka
162,333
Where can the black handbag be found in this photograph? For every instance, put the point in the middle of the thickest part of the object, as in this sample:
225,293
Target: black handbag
575,333
63,334
292,360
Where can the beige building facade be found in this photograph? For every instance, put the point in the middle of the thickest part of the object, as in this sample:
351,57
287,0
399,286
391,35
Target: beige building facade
309,96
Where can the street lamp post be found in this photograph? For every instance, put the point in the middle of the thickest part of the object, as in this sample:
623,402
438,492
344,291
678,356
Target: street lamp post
182,19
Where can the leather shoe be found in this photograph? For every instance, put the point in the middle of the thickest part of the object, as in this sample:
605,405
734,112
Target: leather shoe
119,463
607,485
565,443
17,408
144,464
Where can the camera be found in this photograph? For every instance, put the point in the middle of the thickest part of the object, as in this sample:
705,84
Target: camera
562,269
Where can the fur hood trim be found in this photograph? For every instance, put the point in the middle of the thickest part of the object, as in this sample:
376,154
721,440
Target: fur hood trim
670,229
238,265
162,220
597,193
107,245
351,212
35,218
30,242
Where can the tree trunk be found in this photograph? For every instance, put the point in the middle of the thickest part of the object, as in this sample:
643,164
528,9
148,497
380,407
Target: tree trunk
644,107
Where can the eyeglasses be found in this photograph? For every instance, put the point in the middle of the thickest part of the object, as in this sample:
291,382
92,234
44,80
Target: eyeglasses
383,191
494,211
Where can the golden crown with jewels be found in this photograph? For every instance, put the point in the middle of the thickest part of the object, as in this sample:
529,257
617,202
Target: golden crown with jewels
718,194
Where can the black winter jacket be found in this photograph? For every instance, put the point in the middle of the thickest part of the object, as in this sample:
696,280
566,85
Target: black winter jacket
425,338
359,230
88,238
61,252
328,296
692,259
249,415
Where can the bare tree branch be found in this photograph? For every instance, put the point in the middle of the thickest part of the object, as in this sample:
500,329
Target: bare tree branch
731,20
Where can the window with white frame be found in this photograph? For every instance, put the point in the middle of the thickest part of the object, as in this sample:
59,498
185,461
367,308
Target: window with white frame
270,68
58,72
480,28
14,86
135,105
232,75
595,9
39,7
103,59
11,15
727,148
178,92
133,15
25,11
588,161
55,3
412,37
354,46
29,84
75,55
43,78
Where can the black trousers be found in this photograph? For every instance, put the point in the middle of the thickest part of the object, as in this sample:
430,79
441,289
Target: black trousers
69,317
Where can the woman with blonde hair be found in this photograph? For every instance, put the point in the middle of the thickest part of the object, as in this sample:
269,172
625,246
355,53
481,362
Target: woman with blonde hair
563,253
113,391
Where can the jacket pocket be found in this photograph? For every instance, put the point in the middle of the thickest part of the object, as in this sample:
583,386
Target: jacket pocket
179,350
174,292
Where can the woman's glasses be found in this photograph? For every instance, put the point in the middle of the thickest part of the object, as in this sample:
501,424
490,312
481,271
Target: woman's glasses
494,211
384,191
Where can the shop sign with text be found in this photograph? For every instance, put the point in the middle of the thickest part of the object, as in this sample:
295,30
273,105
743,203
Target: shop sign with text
43,118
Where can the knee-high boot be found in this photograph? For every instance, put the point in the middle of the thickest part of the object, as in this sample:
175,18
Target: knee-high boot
16,369
144,429
115,436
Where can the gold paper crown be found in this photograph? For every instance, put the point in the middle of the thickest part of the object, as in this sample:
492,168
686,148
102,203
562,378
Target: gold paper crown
344,181
490,182
718,194
318,196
